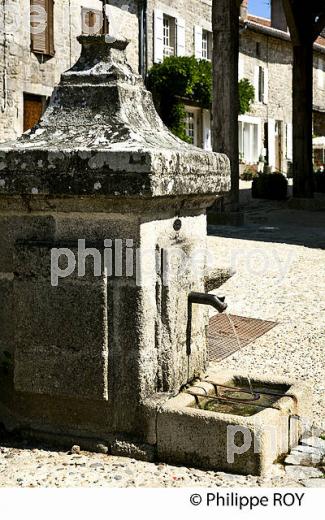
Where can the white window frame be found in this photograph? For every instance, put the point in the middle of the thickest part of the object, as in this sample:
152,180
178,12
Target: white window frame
196,114
253,128
206,45
169,36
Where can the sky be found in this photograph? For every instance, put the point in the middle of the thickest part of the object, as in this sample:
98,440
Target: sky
259,7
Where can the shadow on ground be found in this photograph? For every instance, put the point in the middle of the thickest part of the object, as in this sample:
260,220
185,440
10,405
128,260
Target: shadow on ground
274,221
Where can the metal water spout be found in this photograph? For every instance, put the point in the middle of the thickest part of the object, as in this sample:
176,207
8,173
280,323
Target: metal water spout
208,299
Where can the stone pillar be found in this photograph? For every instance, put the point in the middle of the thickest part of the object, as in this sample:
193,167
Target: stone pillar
90,347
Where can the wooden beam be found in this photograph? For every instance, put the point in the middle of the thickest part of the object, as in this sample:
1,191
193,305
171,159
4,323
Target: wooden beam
225,106
289,9
302,120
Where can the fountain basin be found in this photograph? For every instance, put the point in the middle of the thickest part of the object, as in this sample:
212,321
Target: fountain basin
224,438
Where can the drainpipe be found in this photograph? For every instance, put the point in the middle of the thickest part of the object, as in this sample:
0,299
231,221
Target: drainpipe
143,6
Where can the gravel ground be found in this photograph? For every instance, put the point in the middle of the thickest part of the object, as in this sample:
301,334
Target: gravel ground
277,279
281,282
26,467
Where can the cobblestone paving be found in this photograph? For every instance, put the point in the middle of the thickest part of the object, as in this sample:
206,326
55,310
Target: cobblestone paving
24,467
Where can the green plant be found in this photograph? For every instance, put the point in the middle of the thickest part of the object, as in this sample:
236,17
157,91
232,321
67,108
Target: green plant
180,79
249,173
246,95
273,186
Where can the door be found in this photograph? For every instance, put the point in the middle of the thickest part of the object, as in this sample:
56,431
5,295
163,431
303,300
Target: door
33,109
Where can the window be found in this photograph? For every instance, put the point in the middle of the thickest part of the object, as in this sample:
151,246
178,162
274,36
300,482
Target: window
92,22
258,50
190,126
42,38
248,142
207,45
193,125
33,109
169,36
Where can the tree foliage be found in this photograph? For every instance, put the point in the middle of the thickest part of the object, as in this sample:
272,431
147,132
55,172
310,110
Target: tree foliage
246,95
182,79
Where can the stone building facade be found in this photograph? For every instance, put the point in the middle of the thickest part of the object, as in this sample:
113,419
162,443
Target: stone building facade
160,28
185,28
27,77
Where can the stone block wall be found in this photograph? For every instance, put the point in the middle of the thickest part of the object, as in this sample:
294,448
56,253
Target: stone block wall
23,71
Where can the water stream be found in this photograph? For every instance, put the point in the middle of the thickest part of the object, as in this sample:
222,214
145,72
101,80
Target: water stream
232,325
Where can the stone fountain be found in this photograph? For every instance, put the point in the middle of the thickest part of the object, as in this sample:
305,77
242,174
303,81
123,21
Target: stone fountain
101,209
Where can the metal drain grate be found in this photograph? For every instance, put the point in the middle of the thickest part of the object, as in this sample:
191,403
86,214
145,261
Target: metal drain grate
222,340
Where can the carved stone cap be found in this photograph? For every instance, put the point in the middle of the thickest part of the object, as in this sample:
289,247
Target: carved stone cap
109,42
101,135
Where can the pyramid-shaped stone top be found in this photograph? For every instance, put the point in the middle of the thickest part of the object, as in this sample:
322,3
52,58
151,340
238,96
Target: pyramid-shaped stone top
101,134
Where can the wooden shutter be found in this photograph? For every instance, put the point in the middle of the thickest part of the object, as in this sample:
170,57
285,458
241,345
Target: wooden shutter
158,36
289,142
38,40
207,143
50,28
271,142
261,85
42,42
94,21
266,86
256,82
180,37
241,67
198,42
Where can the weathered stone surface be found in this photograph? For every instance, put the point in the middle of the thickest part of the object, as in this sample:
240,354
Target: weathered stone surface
190,435
307,450
314,483
303,459
101,165
303,472
315,442
124,149
142,452
75,450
